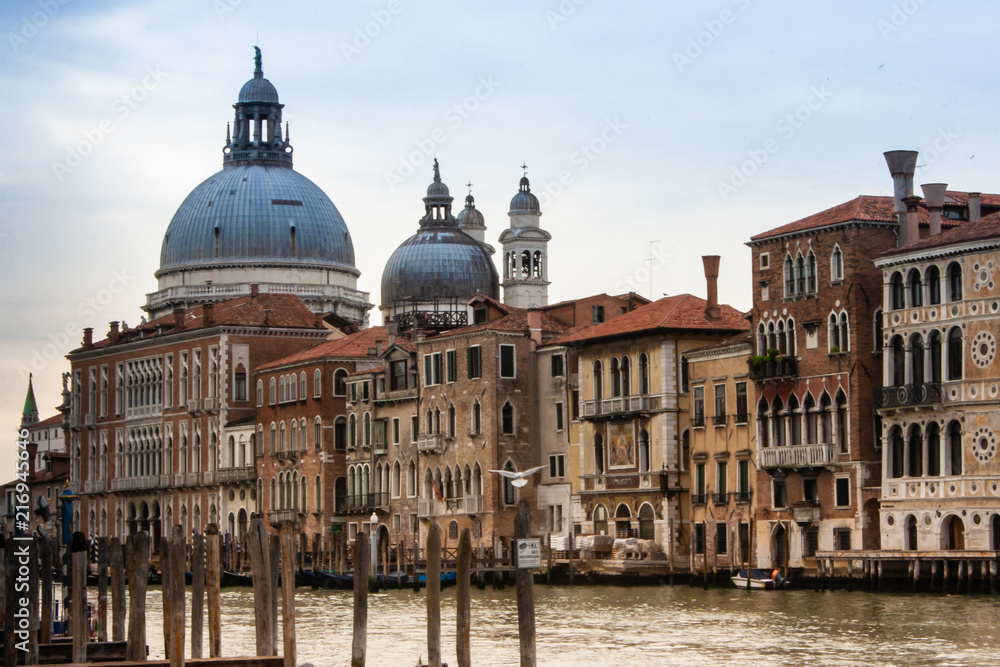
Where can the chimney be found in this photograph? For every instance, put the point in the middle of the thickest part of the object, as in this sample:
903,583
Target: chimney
535,327
254,289
912,218
32,454
178,317
711,263
975,210
934,198
208,314
901,165
113,333
88,337
378,348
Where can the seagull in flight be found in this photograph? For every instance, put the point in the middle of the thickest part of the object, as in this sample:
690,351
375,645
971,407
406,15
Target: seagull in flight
519,478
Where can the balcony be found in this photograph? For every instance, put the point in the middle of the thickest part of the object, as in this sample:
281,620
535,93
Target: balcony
429,444
698,420
782,368
721,498
622,405
806,513
719,420
144,411
278,517
908,395
74,421
363,503
194,406
430,507
95,486
743,497
187,479
796,456
136,483
670,482
89,419
211,404
234,475
698,498
380,449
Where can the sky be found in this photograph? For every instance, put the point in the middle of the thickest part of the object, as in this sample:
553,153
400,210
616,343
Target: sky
654,133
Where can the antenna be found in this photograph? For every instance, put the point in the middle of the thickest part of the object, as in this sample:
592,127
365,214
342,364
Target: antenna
650,260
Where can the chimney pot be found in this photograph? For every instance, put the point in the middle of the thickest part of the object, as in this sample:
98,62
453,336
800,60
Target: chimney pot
178,318
975,207
711,264
208,314
378,348
254,289
912,227
113,333
901,165
88,337
934,194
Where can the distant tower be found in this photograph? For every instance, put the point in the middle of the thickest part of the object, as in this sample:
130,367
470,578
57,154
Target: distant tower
525,252
30,414
471,221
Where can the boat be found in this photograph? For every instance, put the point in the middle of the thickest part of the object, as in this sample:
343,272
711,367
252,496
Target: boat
447,578
235,579
760,580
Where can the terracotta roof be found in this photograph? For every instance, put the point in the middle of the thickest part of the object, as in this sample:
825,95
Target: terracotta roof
513,320
742,338
54,420
284,311
368,371
988,227
352,346
678,313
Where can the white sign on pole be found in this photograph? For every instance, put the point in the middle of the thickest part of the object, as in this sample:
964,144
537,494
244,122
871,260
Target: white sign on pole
529,553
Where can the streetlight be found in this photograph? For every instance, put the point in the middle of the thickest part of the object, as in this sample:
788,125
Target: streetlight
374,541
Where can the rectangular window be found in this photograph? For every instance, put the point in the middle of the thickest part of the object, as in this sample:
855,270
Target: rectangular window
842,539
743,481
104,391
720,405
721,543
699,538
684,376
183,383
414,427
474,362
432,369
168,385
765,261
597,314
397,375
810,542
698,418
810,490
365,391
699,484
213,372
452,365
395,430
196,376
557,465
721,481
559,416
843,491
508,368
557,365
779,495
742,413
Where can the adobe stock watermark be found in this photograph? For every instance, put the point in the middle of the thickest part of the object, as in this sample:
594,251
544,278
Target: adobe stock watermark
786,127
899,17
60,340
582,158
453,117
639,277
562,12
364,35
32,25
224,7
945,139
713,29
121,108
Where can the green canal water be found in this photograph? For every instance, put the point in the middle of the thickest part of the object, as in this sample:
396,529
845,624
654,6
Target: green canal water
604,625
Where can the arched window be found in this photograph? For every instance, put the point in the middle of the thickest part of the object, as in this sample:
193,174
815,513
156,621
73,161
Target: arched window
842,429
598,381
933,280
525,263
772,339
477,417
911,533
955,371
318,434
833,333
647,522
274,494
809,407
954,448
395,482
761,339
260,393
600,520
800,273
915,287
626,372
368,430
231,452
643,442
825,418
317,383
411,479
954,282
933,450
934,343
915,452
685,449
318,494
507,419
352,431
877,320
643,374
836,264
789,276
339,382
781,337
897,292
452,426
273,392
795,420
790,336
763,424
895,453
509,497
302,386
598,454
898,362
845,332
295,437
811,273
274,438
616,378
916,359
778,409
536,265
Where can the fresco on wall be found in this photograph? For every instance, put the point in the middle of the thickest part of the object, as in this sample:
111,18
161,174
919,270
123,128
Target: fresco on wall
621,438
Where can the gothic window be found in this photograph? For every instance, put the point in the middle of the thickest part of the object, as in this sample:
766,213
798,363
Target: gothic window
837,264
915,287
789,276
954,282
897,292
811,273
933,280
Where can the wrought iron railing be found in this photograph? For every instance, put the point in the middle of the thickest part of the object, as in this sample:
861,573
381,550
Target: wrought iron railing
923,393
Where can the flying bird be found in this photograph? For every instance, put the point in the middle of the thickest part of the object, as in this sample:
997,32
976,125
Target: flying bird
519,478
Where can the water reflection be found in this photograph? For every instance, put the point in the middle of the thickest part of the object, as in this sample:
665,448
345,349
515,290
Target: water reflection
638,626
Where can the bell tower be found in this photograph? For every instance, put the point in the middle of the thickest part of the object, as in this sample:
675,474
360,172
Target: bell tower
525,251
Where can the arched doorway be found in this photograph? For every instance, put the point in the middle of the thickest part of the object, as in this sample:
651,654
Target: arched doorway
872,534
241,521
385,549
911,533
647,526
780,545
995,530
953,533
623,521
600,520
340,495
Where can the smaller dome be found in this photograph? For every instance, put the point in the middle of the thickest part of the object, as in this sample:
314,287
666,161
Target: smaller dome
258,89
524,201
470,216
438,189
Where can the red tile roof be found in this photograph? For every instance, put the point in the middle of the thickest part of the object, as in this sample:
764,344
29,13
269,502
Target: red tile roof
352,346
987,227
368,371
54,420
681,312
742,338
513,320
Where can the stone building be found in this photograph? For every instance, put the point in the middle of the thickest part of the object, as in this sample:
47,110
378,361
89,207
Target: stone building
525,252
634,403
723,465
938,403
150,405
816,321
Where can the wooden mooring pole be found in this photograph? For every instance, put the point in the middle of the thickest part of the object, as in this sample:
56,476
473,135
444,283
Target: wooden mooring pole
118,613
197,596
525,589
434,596
464,599
288,593
78,596
165,587
10,565
260,568
274,545
138,573
213,577
359,639
102,589
178,549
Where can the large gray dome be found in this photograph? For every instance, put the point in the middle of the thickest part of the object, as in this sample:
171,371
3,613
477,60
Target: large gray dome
257,215
438,263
